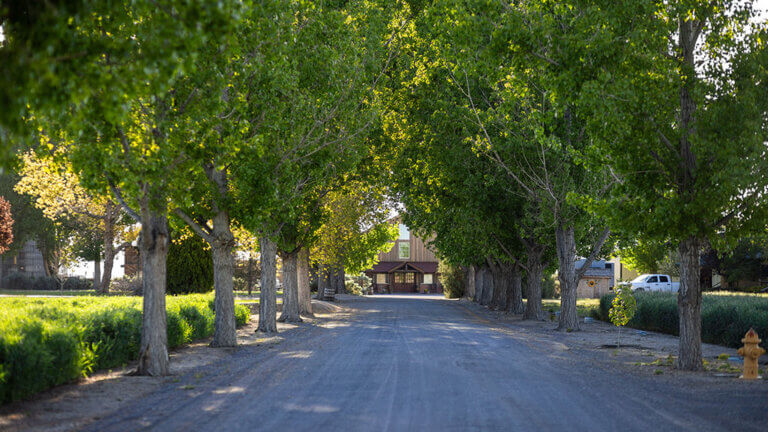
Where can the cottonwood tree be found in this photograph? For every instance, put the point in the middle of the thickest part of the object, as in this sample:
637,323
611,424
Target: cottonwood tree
99,220
479,216
130,146
356,229
690,152
304,113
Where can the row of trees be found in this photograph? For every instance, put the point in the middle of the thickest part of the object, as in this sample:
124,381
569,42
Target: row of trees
525,133
216,115
521,134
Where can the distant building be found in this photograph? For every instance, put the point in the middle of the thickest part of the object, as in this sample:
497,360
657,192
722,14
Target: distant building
27,260
597,281
409,267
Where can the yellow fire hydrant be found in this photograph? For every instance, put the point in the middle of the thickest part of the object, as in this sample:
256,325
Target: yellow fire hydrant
751,352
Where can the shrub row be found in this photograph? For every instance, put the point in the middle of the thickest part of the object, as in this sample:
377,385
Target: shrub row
25,282
725,318
45,342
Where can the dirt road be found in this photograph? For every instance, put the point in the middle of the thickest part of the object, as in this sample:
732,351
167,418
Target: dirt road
423,363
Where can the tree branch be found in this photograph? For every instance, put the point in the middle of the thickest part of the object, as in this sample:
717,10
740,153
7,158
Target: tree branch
595,250
202,231
119,196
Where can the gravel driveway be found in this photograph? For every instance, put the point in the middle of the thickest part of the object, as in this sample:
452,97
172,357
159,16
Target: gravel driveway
423,363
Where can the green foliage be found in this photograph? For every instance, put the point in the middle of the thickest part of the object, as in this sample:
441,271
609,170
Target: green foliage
189,266
452,278
76,283
623,306
725,317
47,342
357,285
24,282
550,287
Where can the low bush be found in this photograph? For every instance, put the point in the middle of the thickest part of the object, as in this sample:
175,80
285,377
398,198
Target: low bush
76,283
357,285
126,285
725,317
25,282
49,341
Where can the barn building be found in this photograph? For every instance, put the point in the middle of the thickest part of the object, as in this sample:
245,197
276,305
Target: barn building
409,267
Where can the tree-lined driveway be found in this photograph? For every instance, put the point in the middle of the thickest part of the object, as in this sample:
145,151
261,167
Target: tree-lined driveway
424,363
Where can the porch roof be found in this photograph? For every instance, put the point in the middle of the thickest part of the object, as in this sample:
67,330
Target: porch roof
390,266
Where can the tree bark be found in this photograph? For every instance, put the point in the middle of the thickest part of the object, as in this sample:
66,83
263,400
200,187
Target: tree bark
223,250
290,289
689,306
153,352
565,240
487,286
268,297
515,297
533,310
249,276
322,281
305,295
470,292
500,275
341,287
479,276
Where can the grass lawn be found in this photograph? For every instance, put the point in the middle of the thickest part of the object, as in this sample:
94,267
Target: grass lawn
583,306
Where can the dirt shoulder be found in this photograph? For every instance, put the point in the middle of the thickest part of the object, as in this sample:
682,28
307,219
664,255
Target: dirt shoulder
72,406
640,352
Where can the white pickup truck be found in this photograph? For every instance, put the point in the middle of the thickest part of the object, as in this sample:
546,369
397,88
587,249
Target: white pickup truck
654,282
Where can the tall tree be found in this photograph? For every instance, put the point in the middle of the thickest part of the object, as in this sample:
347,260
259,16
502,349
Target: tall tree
690,151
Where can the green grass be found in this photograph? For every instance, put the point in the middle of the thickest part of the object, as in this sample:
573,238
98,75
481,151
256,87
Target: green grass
45,342
584,307
725,316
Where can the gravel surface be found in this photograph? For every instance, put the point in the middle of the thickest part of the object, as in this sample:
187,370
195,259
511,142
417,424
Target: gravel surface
423,363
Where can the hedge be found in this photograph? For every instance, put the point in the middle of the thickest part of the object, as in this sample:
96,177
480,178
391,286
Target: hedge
45,342
725,317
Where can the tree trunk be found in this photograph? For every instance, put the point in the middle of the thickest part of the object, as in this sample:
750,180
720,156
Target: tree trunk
341,287
565,240
533,279
478,285
249,282
322,281
153,352
222,248
470,291
268,297
305,295
689,297
500,285
488,287
515,297
689,306
97,274
290,289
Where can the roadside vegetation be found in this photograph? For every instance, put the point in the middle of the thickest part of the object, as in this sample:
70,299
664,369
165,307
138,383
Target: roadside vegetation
50,341
725,317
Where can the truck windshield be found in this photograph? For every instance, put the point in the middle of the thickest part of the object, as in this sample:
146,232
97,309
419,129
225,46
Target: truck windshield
640,278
